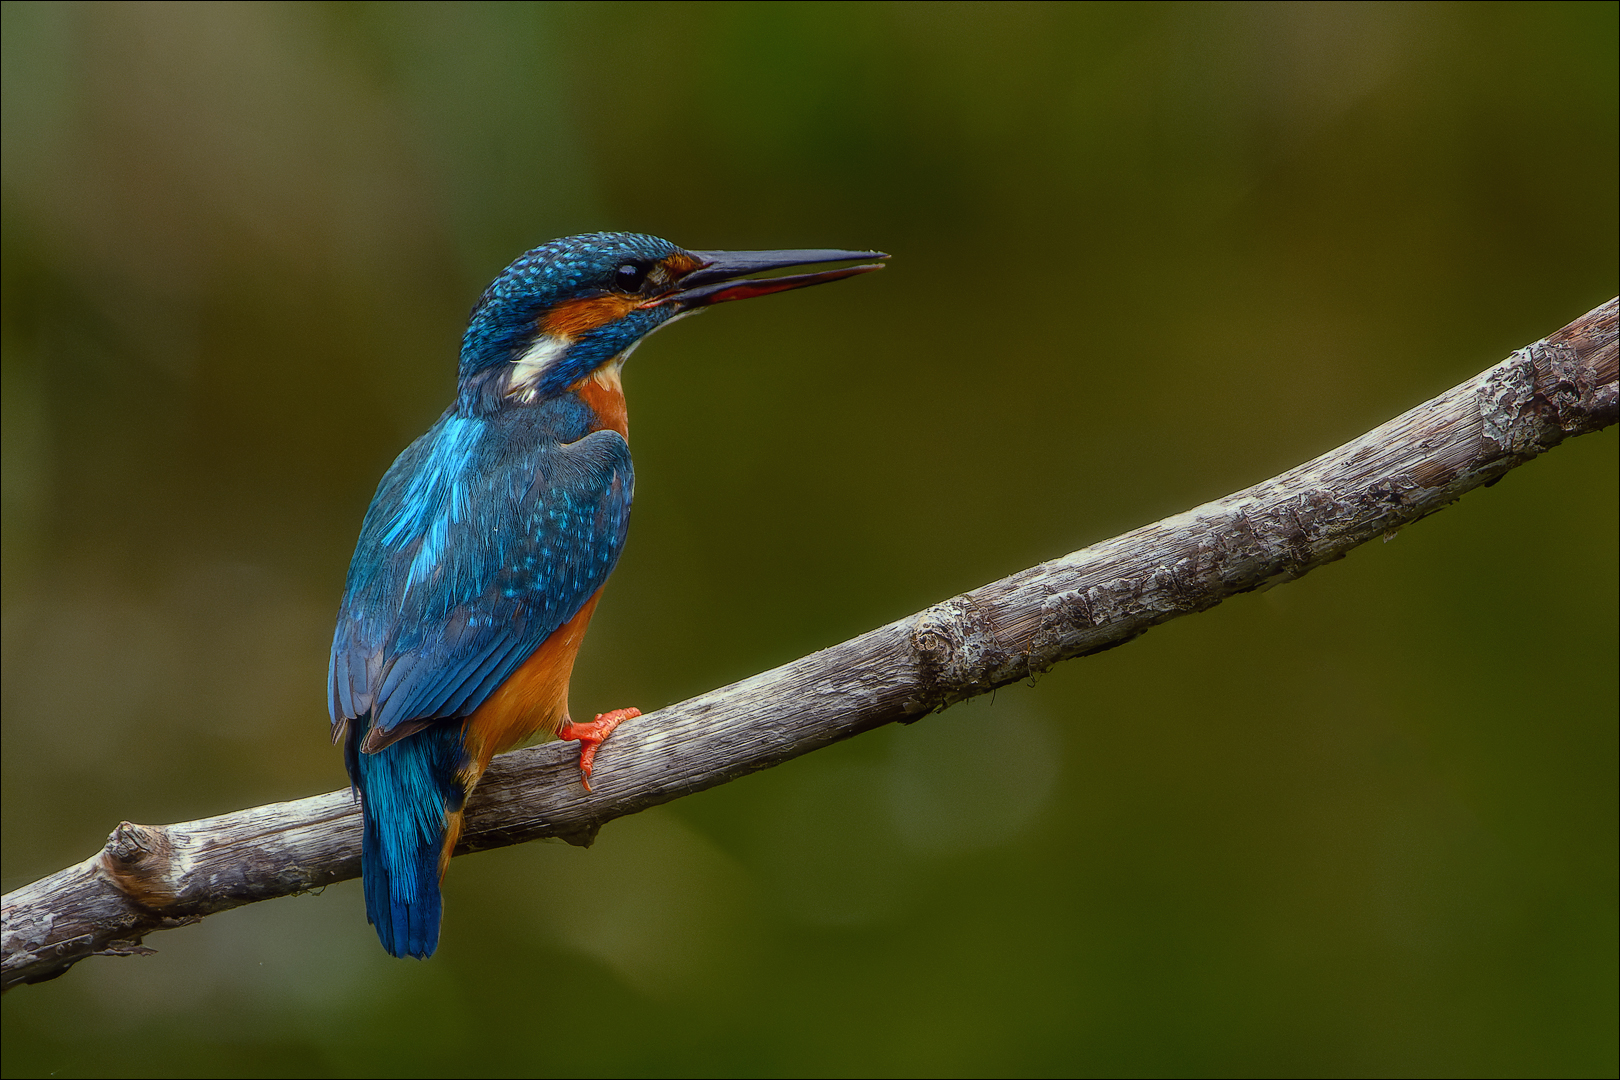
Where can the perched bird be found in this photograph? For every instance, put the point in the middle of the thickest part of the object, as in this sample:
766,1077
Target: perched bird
485,549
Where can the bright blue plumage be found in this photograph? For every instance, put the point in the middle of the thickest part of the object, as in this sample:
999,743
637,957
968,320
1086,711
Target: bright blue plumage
486,535
490,535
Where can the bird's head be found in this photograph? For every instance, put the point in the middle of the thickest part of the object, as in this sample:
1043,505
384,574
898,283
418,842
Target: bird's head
564,310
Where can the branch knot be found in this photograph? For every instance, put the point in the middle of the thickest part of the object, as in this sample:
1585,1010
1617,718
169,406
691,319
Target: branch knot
141,861
959,654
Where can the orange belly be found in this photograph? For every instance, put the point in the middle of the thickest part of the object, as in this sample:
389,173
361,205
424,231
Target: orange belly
534,698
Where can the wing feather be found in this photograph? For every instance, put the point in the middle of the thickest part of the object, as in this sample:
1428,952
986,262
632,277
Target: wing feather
481,541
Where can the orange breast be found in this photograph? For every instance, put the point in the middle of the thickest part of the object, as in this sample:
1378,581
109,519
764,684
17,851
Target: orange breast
604,393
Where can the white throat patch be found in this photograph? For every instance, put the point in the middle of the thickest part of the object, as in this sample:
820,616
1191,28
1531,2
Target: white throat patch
523,380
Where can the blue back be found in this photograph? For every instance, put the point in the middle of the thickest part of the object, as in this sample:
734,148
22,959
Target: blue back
487,534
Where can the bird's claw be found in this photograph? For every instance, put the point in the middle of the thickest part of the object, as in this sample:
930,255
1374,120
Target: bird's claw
591,735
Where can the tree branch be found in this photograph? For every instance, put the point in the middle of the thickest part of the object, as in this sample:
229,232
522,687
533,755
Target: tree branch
156,877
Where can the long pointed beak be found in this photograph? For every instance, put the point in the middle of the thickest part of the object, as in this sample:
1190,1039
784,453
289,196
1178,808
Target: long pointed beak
716,279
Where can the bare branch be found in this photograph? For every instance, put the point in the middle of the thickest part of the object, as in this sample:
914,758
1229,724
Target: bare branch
155,877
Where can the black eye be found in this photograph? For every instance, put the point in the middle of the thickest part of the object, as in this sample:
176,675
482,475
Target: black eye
630,276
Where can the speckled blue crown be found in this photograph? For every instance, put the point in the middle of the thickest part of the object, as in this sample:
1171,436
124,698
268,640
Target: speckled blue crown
504,321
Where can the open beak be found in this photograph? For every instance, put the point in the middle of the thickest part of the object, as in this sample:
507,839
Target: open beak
716,279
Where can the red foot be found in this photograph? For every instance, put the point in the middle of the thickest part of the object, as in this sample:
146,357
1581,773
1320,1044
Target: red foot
592,735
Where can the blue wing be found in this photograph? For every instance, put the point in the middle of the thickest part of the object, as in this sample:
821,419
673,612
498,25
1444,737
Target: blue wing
485,536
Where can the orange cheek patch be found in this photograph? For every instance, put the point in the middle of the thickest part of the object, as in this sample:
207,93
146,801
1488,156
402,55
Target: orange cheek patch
575,317
681,264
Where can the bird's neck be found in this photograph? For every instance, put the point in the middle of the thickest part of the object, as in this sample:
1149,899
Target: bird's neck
593,403
603,393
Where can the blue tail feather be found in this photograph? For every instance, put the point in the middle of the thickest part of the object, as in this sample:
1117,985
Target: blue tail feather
407,791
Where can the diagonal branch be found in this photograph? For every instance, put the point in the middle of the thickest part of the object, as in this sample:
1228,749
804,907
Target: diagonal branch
155,877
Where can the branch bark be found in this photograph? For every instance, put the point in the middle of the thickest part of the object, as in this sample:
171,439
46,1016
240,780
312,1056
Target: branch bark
151,878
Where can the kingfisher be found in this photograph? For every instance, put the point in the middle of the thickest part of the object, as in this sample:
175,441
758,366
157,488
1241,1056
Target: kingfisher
484,551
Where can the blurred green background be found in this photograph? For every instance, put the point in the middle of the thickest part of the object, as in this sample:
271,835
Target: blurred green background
1144,255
